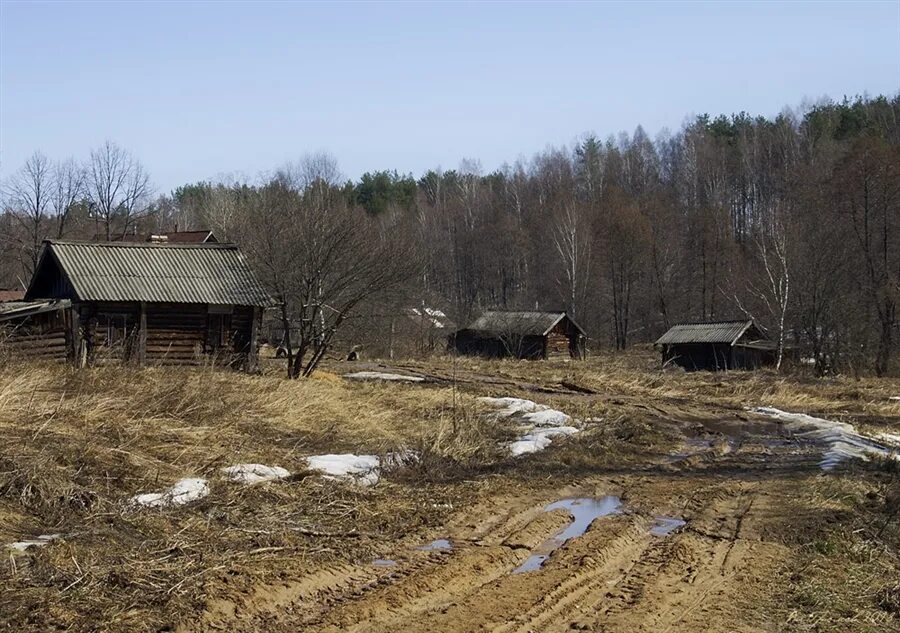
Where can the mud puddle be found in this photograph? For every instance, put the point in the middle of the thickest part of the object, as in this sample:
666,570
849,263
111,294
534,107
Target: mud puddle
384,562
437,545
664,526
584,511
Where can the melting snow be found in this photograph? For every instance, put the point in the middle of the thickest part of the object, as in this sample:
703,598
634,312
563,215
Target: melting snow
539,423
842,440
377,375
363,468
889,438
184,491
254,473
40,541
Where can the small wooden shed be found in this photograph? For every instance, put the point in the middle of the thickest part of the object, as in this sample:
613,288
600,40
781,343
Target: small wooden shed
526,335
717,345
171,304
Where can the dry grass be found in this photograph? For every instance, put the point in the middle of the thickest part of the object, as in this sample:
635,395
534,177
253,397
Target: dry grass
76,445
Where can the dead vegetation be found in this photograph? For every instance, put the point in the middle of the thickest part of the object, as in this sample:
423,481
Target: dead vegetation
76,445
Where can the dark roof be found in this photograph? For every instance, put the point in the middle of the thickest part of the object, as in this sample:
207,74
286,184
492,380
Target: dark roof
708,332
525,323
11,295
127,271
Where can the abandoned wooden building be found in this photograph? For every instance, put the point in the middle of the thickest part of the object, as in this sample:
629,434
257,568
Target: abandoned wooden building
717,345
144,303
526,335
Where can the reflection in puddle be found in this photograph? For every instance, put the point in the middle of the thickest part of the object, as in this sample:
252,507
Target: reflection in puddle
663,526
384,562
438,545
583,512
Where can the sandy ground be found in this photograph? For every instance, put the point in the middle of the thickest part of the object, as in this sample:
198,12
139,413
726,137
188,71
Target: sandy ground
749,496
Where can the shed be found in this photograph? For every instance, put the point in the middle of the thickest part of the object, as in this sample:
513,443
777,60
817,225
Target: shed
153,303
717,345
527,335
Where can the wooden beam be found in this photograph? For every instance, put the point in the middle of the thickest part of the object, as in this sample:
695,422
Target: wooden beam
253,352
142,336
75,322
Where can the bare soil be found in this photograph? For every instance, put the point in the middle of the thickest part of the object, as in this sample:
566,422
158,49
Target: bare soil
770,542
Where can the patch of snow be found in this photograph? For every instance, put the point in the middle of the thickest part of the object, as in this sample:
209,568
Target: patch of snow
40,541
362,468
842,440
513,406
894,398
539,423
889,438
377,375
550,417
529,443
254,473
182,492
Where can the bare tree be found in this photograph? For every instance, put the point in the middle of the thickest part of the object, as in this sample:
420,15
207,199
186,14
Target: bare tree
29,194
321,259
571,237
118,187
69,178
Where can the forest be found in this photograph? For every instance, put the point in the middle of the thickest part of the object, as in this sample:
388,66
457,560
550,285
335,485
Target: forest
793,221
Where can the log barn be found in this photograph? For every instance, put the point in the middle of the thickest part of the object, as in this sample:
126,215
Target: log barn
525,335
140,303
716,345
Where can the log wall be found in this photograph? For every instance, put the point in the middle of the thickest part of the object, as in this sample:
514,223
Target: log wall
42,336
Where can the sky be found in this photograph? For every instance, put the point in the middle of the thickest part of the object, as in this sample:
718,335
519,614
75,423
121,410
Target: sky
199,90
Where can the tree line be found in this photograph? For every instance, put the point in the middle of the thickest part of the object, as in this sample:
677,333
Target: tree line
792,220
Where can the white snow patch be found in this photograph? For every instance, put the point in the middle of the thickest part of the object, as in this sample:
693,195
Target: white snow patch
377,375
539,423
362,468
551,417
512,406
182,492
40,541
894,398
889,438
254,473
842,440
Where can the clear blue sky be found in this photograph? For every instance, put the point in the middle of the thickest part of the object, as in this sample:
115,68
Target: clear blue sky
198,89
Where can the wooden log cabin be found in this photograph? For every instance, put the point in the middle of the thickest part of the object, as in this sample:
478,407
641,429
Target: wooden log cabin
524,335
716,346
141,303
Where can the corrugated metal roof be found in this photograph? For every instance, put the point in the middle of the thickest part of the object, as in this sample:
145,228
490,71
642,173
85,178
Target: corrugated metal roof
527,323
179,273
711,332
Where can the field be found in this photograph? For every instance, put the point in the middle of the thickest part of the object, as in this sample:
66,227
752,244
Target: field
770,541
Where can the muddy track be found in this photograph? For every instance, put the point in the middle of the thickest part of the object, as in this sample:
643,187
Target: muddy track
708,575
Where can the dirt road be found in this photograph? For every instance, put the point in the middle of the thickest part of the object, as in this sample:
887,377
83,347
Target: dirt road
737,494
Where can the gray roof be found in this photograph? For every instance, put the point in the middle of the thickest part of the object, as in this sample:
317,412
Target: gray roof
526,323
155,273
710,332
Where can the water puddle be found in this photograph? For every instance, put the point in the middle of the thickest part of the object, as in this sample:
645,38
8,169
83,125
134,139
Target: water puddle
664,526
438,545
583,511
384,562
